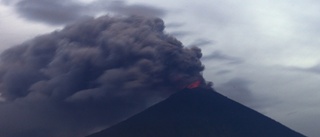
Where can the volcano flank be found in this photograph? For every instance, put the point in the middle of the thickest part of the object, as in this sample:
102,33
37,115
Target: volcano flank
198,112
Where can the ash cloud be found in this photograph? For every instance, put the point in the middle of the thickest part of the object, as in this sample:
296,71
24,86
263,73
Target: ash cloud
90,75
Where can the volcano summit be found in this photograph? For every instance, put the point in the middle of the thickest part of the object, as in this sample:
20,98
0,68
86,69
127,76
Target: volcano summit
198,112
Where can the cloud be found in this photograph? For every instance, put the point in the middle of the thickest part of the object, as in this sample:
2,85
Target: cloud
202,42
238,89
60,12
90,75
121,7
215,12
174,25
312,69
223,71
180,34
218,55
55,12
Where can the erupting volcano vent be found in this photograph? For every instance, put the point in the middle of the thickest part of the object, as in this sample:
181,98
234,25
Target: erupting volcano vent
194,84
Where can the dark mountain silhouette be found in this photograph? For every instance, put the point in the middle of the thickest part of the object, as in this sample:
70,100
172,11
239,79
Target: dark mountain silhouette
198,112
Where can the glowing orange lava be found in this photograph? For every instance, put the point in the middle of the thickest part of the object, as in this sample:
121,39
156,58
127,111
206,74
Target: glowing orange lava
194,84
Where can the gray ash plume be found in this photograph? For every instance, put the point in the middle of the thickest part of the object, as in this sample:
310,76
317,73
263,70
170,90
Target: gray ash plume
91,75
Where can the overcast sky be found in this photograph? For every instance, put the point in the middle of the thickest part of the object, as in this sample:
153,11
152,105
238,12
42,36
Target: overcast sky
264,54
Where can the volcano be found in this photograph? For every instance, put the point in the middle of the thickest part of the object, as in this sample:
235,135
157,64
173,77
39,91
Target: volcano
198,112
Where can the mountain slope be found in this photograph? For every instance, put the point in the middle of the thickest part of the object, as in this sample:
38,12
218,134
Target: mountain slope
198,113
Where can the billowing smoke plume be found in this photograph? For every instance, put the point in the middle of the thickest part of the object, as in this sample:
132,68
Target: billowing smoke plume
90,75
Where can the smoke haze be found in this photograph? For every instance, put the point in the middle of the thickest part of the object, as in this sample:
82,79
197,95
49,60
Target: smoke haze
90,75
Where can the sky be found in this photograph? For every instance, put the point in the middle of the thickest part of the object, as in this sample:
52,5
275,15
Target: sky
263,53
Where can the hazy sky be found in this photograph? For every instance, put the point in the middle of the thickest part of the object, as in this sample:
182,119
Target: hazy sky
264,54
